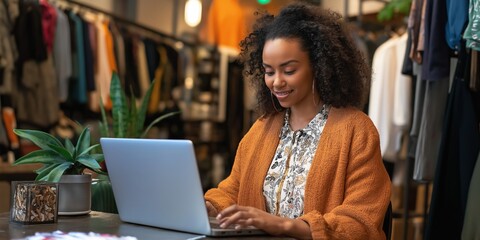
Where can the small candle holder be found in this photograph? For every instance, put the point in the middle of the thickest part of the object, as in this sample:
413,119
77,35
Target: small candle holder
34,202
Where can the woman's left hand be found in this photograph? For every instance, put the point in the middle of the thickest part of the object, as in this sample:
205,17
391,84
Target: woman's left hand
241,216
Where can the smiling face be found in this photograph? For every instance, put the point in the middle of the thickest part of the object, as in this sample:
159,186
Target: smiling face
289,74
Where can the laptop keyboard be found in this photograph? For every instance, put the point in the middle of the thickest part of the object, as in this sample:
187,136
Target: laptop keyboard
215,224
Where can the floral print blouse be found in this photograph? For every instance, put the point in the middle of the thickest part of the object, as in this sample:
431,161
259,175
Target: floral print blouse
284,185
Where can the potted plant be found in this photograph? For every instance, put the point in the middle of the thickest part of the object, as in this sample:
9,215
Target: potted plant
64,163
125,120
128,121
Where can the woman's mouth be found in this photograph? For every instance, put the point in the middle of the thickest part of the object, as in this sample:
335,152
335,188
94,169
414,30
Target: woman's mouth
282,94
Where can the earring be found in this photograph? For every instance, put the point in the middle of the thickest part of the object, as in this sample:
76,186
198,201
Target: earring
313,93
273,102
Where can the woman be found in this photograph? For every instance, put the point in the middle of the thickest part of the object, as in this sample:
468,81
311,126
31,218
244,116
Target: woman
310,166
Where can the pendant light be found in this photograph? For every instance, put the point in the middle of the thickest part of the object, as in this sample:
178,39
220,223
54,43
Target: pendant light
193,12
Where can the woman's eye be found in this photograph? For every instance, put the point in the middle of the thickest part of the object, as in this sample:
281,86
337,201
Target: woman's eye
269,73
290,72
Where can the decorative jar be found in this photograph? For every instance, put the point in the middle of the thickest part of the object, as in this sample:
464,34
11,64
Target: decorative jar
34,202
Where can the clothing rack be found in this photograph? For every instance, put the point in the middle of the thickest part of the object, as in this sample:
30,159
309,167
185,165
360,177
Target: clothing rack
408,177
131,23
408,180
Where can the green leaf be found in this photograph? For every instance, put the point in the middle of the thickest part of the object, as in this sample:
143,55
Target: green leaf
404,7
40,156
39,138
140,123
393,7
88,150
385,14
104,131
44,166
69,146
132,117
119,107
98,156
83,141
56,173
62,152
89,162
157,120
45,170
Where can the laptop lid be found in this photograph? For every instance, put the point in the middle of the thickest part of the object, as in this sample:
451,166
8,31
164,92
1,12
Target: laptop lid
156,183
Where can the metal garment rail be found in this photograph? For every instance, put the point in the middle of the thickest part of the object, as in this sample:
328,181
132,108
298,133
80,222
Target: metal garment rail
125,21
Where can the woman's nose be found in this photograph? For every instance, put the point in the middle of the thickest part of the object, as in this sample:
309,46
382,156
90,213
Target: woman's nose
277,81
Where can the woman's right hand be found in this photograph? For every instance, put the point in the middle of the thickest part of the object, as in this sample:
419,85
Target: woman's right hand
211,210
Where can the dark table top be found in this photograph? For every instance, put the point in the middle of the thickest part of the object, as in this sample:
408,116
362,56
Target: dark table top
97,222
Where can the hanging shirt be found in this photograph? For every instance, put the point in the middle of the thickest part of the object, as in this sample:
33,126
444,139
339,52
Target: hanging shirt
436,54
62,55
284,185
109,44
473,28
8,51
457,17
390,96
226,23
416,28
80,86
119,50
103,74
159,75
49,23
143,77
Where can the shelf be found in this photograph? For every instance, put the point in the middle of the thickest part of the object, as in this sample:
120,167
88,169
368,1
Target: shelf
9,172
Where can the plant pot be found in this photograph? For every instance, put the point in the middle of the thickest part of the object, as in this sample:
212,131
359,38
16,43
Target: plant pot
74,194
103,199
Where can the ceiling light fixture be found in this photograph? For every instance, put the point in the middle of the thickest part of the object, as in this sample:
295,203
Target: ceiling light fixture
193,12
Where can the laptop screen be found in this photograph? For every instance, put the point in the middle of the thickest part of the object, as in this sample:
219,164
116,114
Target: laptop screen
156,182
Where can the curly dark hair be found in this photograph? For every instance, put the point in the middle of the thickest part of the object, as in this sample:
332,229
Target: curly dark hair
341,71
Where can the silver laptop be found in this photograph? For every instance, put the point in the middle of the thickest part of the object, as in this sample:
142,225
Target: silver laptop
156,183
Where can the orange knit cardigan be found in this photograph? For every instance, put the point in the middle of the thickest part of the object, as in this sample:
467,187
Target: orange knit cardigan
347,190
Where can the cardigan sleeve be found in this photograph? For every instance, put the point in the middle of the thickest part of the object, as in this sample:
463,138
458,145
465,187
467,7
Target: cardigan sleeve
254,153
366,194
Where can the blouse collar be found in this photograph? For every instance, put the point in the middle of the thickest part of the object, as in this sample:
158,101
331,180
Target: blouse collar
313,128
